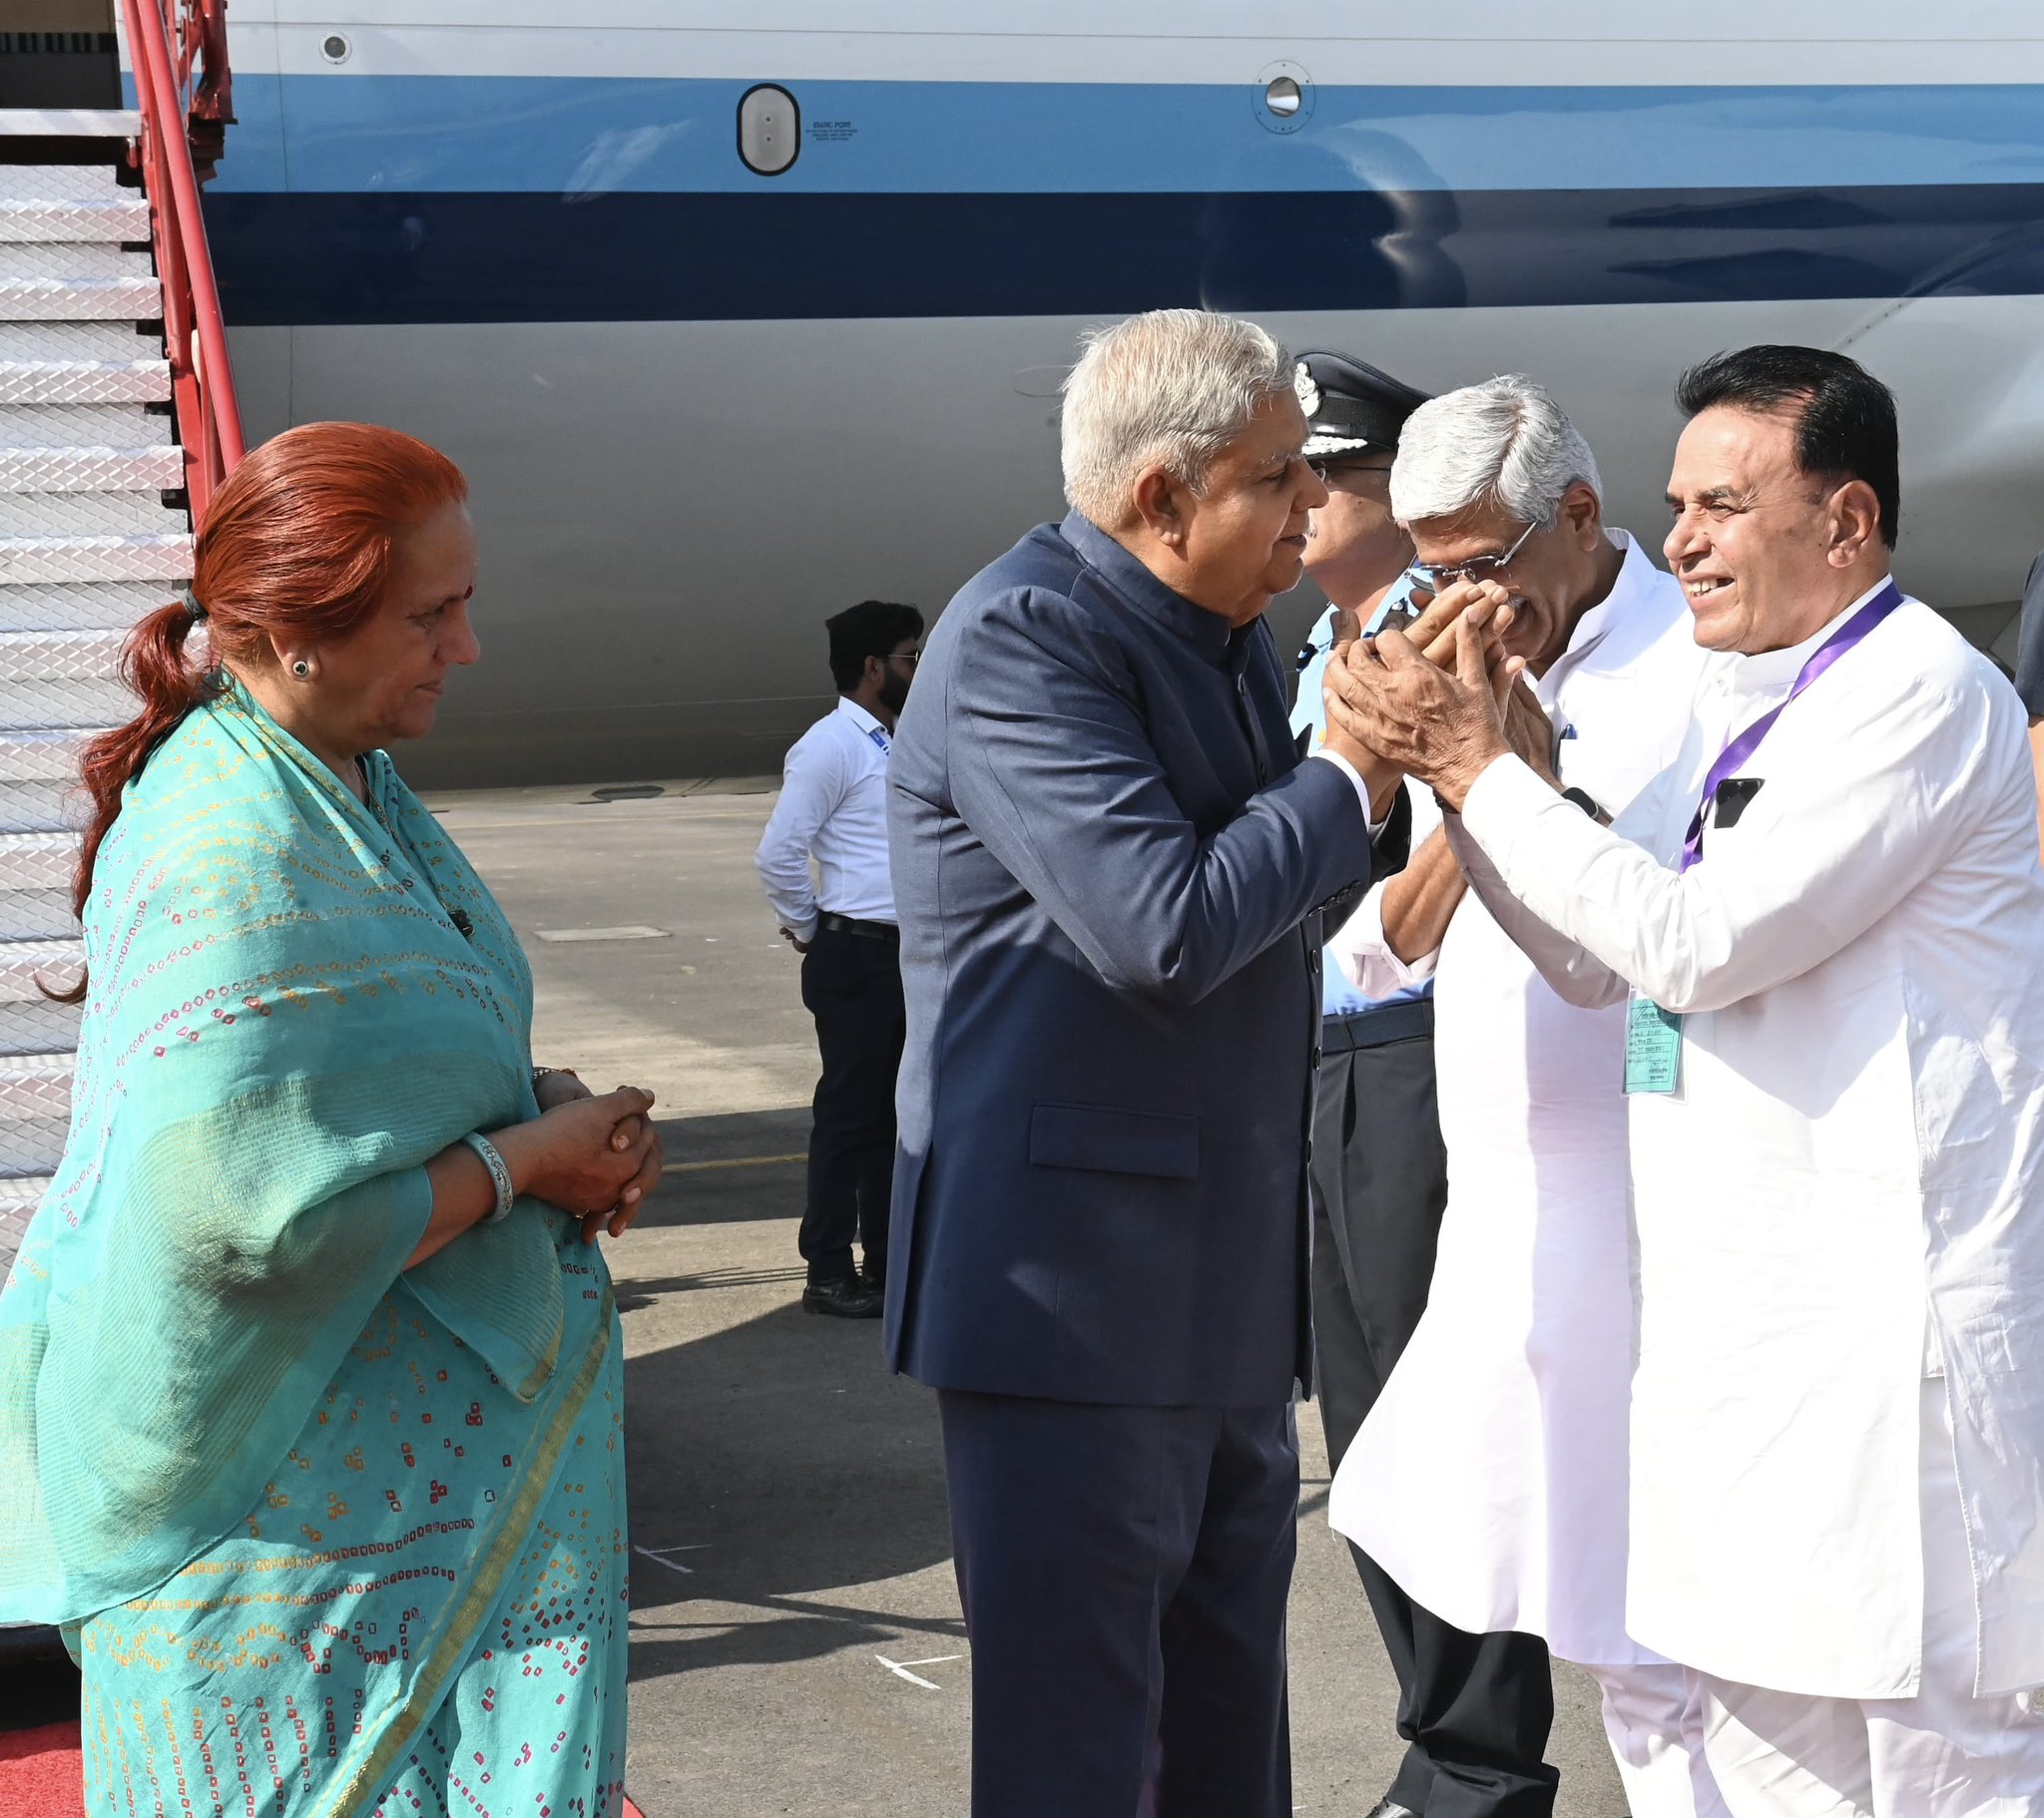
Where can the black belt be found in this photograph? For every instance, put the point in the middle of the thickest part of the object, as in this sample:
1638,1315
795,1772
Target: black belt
867,931
1377,1025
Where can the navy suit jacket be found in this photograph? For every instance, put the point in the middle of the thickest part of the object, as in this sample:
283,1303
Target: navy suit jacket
1108,865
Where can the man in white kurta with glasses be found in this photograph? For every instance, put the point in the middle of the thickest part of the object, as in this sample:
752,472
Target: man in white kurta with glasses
1489,1479
1824,922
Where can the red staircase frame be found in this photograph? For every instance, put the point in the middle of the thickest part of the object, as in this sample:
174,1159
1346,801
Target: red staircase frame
201,376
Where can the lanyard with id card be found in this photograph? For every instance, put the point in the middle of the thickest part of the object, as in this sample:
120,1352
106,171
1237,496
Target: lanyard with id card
1653,1036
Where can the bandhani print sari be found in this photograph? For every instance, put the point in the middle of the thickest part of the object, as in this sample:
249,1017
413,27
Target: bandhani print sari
329,1535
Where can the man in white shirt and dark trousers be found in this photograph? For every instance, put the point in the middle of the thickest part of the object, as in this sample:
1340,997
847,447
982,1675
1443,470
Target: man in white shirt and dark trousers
1474,1709
833,808
1823,921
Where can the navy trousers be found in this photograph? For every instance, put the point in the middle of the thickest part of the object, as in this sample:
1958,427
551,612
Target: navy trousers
1124,1572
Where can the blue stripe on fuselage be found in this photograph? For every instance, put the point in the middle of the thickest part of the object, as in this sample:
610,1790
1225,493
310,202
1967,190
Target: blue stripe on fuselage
493,257
352,134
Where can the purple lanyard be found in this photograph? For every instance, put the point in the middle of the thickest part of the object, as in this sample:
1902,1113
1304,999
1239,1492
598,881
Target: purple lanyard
1734,756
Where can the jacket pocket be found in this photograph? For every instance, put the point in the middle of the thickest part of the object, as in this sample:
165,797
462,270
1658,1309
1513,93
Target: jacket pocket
1114,1141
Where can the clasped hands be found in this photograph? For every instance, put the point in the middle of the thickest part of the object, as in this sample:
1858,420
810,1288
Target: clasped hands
597,1157
1440,700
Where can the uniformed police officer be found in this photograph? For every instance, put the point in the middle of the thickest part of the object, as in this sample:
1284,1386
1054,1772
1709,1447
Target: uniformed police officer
1474,1709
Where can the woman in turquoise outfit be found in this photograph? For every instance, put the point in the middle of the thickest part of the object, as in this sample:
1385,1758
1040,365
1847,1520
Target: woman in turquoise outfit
309,1368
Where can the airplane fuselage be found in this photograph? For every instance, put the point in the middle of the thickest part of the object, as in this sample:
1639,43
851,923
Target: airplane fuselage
701,407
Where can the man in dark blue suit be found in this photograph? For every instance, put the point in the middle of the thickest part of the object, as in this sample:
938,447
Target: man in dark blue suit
1109,864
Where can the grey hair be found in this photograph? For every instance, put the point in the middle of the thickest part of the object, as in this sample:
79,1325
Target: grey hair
1171,389
1503,443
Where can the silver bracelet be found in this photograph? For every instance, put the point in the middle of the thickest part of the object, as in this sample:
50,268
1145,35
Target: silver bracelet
500,1176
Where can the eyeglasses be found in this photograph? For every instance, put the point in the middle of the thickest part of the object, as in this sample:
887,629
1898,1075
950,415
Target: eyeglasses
911,658
1437,577
1330,471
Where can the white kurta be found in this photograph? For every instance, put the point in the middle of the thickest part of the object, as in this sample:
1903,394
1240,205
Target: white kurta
1490,1478
1850,1167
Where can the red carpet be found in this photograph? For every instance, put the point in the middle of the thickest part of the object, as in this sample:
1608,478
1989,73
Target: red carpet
40,1772
41,1775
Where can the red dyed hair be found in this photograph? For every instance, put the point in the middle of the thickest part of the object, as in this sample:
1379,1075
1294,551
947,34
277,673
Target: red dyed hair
297,542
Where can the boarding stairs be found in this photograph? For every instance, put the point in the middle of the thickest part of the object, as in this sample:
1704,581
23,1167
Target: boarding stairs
109,436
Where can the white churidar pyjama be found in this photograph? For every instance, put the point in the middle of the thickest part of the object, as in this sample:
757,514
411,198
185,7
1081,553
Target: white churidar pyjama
1654,1720
1941,1754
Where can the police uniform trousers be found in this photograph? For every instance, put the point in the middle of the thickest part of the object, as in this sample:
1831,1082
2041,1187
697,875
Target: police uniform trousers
1474,1710
851,986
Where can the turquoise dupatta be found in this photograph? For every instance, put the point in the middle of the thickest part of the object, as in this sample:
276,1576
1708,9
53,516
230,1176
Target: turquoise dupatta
285,1023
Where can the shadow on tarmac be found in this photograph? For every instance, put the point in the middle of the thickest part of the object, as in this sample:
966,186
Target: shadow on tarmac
733,1167
777,1471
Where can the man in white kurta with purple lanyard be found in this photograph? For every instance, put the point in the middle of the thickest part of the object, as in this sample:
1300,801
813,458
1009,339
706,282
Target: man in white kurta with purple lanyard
1824,923
1489,1479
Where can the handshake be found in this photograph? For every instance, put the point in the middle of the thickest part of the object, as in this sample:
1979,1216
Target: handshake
1440,700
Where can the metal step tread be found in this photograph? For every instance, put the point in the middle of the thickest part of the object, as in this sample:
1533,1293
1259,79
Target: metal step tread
126,512
94,558
35,1112
37,702
37,1149
38,1081
18,1202
33,861
63,182
40,791
73,340
40,768
44,753
36,874
49,300
69,122
70,261
153,468
51,655
30,1022
79,606
23,963
121,216
124,425
58,381
20,958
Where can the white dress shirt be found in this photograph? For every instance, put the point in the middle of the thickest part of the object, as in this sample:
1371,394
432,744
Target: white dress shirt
832,807
1851,1155
1490,1479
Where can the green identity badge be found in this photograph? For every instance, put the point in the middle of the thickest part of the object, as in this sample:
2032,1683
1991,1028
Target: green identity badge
1653,1046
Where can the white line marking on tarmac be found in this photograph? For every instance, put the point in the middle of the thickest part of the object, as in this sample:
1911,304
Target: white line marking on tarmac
657,1554
635,931
899,1669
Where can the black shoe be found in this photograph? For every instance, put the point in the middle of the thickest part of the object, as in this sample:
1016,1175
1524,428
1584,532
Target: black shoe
874,1278
1388,1807
847,1297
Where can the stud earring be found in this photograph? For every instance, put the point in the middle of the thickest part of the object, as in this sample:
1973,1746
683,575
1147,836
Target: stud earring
301,668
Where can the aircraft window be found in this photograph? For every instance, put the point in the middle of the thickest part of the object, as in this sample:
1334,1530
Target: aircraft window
336,48
1283,99
769,128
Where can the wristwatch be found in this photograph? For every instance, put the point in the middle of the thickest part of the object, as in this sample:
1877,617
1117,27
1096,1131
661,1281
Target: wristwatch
1586,801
